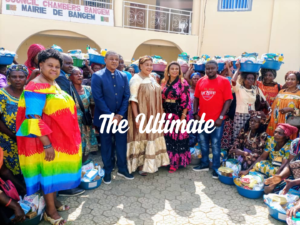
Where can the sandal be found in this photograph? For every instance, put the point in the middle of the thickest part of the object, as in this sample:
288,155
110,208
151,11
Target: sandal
172,169
53,221
142,173
63,208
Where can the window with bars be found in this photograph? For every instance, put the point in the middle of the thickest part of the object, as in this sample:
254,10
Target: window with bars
98,3
235,5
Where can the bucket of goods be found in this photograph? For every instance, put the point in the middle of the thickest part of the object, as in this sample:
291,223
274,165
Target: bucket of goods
184,68
249,66
91,176
78,62
199,68
6,58
233,64
136,68
250,186
96,59
271,64
225,175
184,56
33,207
278,204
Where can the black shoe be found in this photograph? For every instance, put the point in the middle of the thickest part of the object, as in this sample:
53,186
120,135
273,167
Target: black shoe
215,175
201,168
126,175
71,192
107,178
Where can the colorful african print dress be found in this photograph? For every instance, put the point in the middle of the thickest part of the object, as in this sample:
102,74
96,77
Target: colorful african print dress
47,110
265,166
8,113
284,99
177,143
88,137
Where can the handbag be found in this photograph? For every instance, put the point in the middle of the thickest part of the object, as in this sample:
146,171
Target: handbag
9,189
260,103
293,120
87,117
295,164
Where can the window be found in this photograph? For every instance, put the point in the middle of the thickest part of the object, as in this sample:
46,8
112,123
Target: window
235,5
98,3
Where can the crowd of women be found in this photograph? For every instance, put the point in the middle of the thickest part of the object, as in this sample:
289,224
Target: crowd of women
46,130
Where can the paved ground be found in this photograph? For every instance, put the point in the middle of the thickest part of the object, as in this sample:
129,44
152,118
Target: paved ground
185,197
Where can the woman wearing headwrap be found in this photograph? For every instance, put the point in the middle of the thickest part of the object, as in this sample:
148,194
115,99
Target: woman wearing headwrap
268,86
145,151
286,102
250,142
277,152
32,58
9,99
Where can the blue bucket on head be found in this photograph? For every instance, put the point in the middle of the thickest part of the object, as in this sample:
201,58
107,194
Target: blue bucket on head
249,66
6,59
221,66
97,59
226,180
249,193
199,67
271,64
136,68
233,64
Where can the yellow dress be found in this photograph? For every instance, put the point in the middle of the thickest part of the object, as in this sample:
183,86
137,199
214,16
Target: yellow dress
284,99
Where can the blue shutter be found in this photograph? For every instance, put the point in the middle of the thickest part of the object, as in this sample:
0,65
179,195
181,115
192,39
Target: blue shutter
235,4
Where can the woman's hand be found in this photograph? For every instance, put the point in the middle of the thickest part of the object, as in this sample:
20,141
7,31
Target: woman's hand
288,186
276,179
292,211
238,65
19,214
137,125
286,110
243,173
49,154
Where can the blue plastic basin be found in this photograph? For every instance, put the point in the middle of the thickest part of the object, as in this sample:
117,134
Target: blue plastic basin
251,67
96,59
199,67
276,215
6,59
249,193
272,65
226,180
90,185
136,68
233,64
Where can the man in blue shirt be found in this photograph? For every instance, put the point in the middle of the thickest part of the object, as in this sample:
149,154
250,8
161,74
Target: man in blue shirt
111,93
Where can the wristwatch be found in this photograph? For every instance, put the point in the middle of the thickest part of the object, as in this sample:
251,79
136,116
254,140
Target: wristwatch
196,113
221,117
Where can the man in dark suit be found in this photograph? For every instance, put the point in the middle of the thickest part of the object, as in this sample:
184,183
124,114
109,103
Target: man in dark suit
111,93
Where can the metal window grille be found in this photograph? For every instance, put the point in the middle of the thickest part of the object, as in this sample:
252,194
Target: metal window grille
106,4
235,5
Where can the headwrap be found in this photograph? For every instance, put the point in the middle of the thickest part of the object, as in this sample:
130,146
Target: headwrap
17,67
259,115
287,128
1,157
33,50
196,73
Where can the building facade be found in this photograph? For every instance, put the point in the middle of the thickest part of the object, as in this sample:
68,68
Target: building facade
155,27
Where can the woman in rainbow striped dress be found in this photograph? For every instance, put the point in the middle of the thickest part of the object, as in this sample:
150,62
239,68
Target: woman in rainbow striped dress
48,136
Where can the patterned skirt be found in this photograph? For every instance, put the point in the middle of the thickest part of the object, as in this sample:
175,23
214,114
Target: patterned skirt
266,168
227,138
240,120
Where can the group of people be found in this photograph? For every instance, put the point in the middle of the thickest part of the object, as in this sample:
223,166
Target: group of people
50,113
